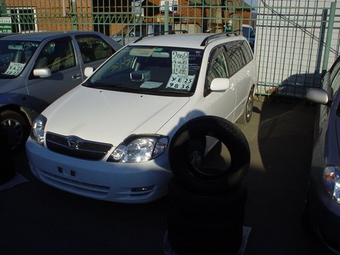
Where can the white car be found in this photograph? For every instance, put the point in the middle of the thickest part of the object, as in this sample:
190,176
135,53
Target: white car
109,137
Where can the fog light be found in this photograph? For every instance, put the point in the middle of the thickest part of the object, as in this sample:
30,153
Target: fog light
142,190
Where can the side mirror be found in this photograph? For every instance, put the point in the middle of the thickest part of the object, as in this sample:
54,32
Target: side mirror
88,71
318,96
220,84
42,72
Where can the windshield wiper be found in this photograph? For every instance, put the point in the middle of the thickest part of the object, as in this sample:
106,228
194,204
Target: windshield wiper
168,92
118,87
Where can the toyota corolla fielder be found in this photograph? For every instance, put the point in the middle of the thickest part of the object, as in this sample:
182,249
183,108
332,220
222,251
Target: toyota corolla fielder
109,137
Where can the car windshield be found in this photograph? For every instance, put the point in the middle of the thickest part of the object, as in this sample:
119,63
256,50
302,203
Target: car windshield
153,70
14,55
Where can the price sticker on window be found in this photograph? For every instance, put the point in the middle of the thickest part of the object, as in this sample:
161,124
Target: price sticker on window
180,62
14,69
180,82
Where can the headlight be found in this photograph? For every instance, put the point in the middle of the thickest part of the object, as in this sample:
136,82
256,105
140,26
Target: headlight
139,149
331,179
38,128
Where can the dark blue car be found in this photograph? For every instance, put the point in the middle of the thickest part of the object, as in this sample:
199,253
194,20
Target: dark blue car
322,213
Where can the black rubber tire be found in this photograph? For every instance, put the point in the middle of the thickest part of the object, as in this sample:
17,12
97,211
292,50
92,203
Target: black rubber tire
186,237
208,209
248,109
7,171
207,180
17,128
190,237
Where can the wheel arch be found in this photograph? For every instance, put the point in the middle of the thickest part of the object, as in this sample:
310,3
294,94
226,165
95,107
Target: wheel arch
17,108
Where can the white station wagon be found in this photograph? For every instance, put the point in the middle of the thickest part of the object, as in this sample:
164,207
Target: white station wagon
109,137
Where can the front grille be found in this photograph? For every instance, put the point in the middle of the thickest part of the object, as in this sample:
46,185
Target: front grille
76,147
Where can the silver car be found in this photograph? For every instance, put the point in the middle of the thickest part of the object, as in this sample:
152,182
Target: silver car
322,211
38,68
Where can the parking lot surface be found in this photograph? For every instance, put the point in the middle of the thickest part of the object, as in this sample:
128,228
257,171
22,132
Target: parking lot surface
38,219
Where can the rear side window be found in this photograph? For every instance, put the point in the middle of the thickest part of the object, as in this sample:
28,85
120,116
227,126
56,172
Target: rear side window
330,82
247,52
93,48
334,70
335,83
238,55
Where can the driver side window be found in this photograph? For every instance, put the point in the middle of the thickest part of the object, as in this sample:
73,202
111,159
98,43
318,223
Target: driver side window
217,68
57,55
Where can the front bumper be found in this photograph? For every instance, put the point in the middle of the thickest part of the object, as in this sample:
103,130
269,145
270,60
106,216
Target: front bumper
116,182
324,215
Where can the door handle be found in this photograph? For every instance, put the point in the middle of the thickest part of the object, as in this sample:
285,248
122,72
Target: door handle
76,76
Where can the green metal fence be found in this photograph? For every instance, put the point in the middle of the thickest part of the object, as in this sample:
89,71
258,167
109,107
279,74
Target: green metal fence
296,41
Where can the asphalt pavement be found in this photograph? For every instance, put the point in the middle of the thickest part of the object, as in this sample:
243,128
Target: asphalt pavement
38,219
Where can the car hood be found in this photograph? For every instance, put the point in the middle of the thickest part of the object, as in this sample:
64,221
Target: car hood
109,116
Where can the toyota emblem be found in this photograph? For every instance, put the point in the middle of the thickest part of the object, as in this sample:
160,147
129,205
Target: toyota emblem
73,143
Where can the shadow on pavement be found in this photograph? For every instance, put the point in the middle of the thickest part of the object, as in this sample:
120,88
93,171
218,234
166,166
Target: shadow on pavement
278,178
38,219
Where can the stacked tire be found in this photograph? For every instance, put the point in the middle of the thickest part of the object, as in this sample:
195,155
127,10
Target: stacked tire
206,212
7,171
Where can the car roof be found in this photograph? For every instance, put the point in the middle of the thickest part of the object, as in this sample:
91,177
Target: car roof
40,36
199,40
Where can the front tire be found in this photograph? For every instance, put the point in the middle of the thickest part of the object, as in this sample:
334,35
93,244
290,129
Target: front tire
16,127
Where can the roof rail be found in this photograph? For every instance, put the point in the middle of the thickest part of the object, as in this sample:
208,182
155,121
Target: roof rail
218,35
161,33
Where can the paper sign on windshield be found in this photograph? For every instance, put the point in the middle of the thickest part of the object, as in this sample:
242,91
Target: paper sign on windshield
181,82
180,78
14,69
180,62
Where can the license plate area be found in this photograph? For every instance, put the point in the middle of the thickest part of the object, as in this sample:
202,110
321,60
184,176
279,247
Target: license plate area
67,172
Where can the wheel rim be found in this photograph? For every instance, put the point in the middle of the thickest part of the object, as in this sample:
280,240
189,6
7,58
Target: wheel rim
250,103
15,132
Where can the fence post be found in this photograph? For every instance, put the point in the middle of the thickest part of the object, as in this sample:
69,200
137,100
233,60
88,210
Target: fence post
74,15
329,38
3,7
166,17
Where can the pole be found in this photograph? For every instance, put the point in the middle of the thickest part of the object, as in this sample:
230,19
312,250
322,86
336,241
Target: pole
329,38
166,17
74,15
3,8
